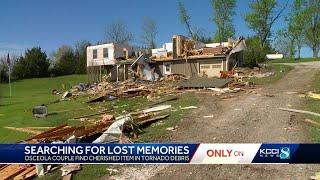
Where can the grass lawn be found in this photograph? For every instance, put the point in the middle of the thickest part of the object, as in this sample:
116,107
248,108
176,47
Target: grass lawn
16,111
314,106
292,60
279,70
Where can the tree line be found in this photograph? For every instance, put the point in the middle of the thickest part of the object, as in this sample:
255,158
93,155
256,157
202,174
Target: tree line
301,28
35,62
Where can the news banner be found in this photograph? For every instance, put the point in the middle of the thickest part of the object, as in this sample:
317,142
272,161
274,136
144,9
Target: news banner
159,153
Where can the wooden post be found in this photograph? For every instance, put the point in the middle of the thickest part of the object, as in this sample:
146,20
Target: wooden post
117,73
124,72
100,76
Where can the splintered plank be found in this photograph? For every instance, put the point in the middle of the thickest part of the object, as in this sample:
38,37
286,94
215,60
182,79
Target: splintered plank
26,174
10,171
49,131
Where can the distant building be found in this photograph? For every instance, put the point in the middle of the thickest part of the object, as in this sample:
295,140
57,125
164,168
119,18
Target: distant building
102,59
274,56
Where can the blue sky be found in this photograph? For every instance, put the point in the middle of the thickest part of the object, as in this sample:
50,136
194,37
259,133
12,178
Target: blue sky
52,23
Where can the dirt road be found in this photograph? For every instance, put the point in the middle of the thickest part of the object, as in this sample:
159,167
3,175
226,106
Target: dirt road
248,118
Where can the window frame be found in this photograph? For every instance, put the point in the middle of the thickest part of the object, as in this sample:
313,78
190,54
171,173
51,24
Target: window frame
107,51
95,54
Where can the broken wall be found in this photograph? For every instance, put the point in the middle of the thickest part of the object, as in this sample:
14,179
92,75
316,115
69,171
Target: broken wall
192,67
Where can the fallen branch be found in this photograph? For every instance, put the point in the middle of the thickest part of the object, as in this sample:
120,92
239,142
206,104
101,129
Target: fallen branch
300,111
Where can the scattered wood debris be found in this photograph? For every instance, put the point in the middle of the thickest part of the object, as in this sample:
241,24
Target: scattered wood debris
188,107
313,95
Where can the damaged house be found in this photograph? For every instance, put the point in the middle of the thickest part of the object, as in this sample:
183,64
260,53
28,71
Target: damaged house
104,59
181,56
193,59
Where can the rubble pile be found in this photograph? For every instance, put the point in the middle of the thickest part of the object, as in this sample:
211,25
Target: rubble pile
121,129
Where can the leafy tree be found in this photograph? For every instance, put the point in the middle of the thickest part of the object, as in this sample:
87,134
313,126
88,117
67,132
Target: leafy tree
117,32
33,64
312,23
296,25
185,19
149,33
262,17
223,10
81,56
254,53
65,62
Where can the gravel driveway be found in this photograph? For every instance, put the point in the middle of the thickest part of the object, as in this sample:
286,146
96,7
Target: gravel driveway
247,118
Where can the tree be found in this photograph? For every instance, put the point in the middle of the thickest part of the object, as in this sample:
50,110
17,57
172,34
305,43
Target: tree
262,17
117,32
80,55
312,22
285,43
33,64
4,76
185,19
223,10
203,36
296,25
65,62
254,53
149,32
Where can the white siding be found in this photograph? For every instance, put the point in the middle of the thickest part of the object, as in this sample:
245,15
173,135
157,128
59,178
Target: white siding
114,51
100,59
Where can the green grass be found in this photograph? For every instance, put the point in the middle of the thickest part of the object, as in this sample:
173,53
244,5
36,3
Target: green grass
314,106
279,72
292,60
16,111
